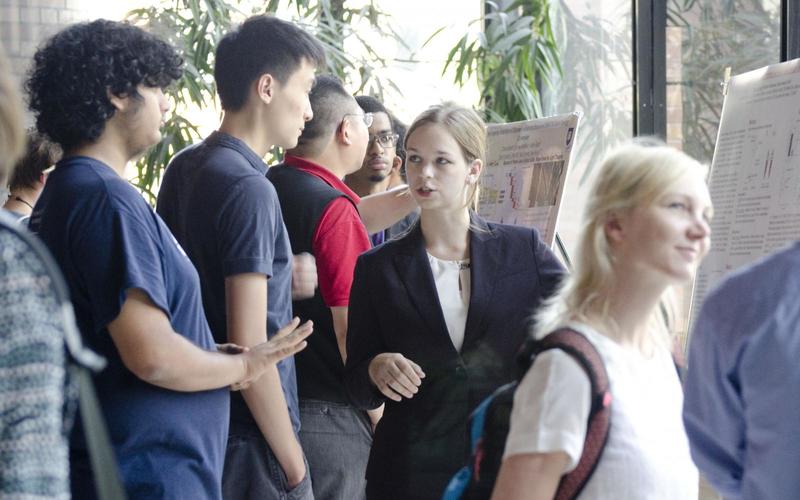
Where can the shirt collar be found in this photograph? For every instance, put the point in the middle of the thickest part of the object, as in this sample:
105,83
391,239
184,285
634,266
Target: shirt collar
238,145
323,173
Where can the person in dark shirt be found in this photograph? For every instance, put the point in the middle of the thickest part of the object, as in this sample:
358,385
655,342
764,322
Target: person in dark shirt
96,89
225,213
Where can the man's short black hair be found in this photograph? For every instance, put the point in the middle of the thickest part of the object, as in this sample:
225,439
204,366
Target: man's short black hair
262,44
371,105
75,70
329,102
40,154
400,129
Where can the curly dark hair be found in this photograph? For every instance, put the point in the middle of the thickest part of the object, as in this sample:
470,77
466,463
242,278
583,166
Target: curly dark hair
75,69
400,129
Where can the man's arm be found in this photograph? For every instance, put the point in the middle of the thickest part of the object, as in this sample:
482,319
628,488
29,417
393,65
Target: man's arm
246,306
712,410
381,210
157,355
340,328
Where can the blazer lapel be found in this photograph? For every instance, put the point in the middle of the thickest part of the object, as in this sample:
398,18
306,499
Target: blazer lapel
414,271
484,260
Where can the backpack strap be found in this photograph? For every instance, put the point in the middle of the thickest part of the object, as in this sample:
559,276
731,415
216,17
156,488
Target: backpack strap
579,347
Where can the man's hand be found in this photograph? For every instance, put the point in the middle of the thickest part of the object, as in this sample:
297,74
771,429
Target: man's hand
289,340
304,276
396,376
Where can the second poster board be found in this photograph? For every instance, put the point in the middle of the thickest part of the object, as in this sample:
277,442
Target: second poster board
526,170
755,173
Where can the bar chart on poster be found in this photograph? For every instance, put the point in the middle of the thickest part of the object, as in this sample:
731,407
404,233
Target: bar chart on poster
755,173
526,169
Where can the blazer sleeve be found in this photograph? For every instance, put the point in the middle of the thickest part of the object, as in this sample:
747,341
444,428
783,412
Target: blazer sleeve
363,341
548,267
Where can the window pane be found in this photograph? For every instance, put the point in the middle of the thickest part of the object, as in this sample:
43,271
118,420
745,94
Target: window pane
596,55
703,38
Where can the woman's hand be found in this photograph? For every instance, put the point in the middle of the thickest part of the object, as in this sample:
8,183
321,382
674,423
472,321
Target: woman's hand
289,340
396,376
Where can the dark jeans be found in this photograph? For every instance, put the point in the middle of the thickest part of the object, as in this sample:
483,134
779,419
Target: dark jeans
336,439
253,473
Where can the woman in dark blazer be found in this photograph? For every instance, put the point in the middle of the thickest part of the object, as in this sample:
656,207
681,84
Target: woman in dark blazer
436,316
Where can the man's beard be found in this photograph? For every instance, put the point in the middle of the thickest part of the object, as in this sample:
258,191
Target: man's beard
377,177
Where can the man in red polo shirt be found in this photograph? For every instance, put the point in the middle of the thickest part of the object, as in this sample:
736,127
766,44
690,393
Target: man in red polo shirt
322,218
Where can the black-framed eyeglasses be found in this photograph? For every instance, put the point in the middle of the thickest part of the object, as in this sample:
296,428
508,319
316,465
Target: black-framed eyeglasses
367,117
386,139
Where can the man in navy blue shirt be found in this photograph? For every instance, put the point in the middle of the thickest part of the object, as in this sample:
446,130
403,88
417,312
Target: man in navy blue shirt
216,199
96,90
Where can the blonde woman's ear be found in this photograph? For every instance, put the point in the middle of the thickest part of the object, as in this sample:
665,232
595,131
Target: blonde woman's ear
613,227
476,167
474,171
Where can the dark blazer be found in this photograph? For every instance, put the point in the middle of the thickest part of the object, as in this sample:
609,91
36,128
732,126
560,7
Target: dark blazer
394,307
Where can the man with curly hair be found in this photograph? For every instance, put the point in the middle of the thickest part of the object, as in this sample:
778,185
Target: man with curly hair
97,90
223,210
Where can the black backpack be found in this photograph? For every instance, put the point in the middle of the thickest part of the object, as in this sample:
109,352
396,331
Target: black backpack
489,423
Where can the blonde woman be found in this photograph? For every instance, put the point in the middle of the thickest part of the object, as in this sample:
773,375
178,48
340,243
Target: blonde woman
646,228
437,315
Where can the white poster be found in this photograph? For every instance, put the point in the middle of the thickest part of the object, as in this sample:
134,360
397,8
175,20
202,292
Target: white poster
526,170
755,174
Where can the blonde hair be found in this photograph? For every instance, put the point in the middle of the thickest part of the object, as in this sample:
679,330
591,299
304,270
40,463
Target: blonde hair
12,130
467,128
634,175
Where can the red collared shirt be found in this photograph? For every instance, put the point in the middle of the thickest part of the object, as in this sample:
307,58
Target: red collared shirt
339,238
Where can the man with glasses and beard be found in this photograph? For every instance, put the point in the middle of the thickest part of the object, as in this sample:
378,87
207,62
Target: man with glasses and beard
382,163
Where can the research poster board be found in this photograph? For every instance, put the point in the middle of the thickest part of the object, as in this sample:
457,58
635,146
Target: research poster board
526,170
755,173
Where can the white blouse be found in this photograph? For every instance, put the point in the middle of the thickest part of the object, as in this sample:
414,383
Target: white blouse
647,453
452,280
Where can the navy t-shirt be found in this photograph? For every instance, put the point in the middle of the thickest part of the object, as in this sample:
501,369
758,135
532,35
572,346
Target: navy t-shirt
217,201
107,239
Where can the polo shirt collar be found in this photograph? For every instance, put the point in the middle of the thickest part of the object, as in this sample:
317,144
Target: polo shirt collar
323,173
238,145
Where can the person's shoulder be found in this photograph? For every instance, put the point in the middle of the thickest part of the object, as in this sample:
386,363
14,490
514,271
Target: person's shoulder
18,256
94,182
512,231
750,300
182,160
214,159
514,239
774,274
386,252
